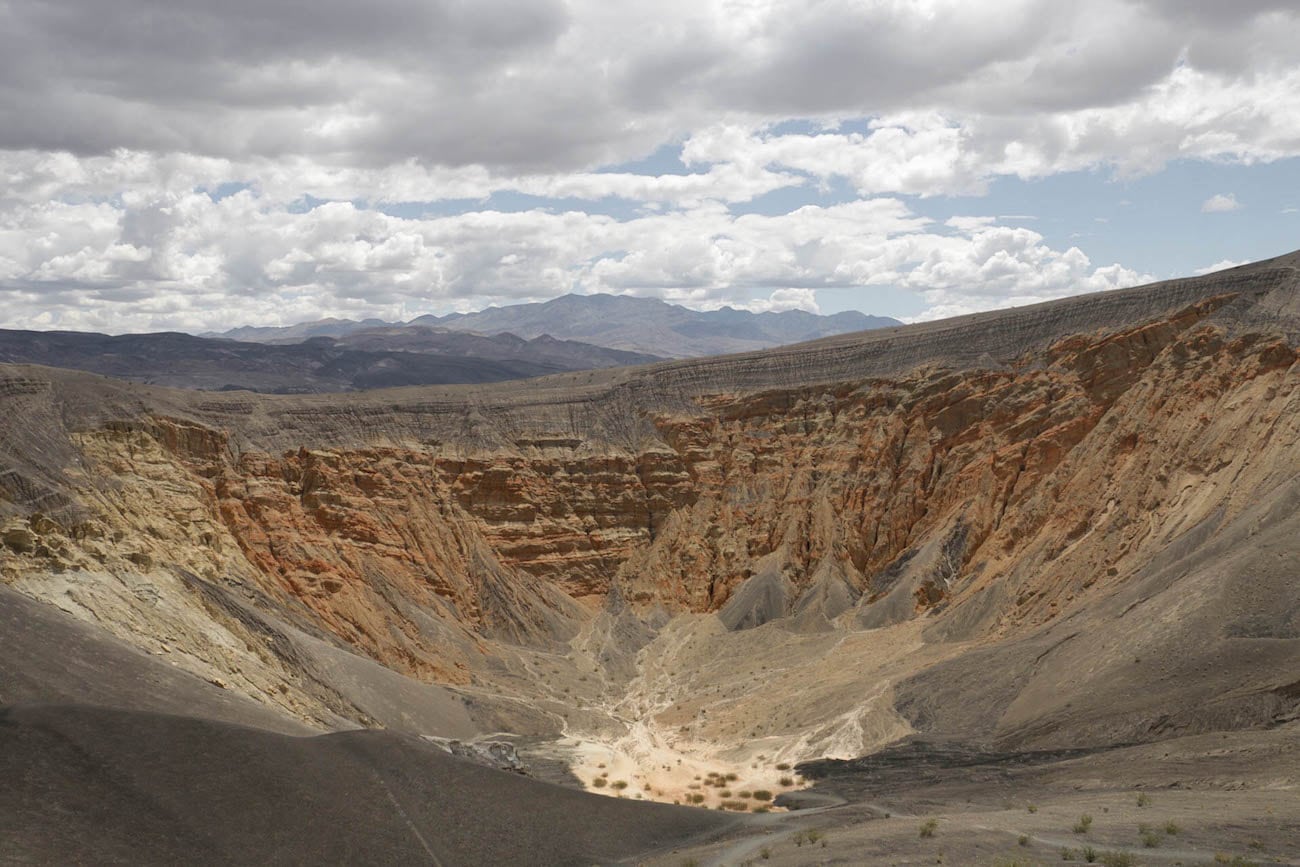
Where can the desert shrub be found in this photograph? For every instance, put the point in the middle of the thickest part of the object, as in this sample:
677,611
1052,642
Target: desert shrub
619,784
735,805
1089,854
765,853
600,782
731,778
695,799
725,793
762,795
1023,840
928,827
1143,799
783,766
1171,827
1118,859
744,794
1150,838
1083,825
1033,808
787,781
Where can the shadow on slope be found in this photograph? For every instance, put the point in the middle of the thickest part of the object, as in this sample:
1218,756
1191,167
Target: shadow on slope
91,784
48,657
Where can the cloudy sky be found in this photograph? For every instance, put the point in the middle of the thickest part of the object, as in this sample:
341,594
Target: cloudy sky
185,164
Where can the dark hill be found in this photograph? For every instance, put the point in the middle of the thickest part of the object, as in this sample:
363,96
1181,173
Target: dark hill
89,785
319,364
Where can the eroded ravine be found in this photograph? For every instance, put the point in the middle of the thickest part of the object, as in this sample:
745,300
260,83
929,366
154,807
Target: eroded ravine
677,587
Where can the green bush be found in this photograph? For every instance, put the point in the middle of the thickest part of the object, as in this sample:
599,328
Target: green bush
1083,825
928,827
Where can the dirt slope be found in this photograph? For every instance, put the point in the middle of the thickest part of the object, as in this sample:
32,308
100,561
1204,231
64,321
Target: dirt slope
1064,525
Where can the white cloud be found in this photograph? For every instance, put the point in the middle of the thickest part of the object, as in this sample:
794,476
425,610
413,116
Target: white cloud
429,104
1220,203
784,299
550,86
177,258
1221,265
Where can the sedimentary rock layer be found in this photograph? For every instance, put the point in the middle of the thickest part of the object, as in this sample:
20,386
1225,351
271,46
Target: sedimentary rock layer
989,474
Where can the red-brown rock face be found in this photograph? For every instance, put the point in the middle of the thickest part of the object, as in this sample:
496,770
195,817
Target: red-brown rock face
1007,489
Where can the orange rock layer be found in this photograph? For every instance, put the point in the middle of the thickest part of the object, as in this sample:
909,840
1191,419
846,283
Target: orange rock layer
1009,490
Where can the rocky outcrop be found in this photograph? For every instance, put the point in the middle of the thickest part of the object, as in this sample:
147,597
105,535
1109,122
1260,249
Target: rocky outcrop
986,475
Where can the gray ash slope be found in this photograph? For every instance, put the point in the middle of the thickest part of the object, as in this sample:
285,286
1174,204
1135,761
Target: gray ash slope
130,787
111,756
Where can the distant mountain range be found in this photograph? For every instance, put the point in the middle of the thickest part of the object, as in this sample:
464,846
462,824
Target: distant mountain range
575,332
318,364
643,325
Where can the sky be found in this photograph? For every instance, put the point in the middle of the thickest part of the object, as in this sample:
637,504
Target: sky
190,165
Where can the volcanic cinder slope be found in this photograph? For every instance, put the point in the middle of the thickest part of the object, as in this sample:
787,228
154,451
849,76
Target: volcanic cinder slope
1071,526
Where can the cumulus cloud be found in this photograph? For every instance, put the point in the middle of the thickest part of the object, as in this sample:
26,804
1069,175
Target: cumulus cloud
543,84
1221,265
1220,203
181,257
193,164
784,299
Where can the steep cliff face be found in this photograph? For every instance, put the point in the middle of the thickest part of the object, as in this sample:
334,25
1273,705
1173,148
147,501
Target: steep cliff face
1049,460
917,491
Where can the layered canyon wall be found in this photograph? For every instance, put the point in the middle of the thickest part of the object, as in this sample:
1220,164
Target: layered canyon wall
989,476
